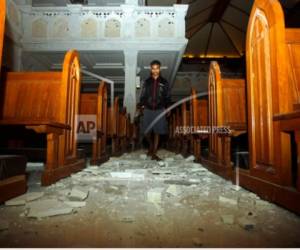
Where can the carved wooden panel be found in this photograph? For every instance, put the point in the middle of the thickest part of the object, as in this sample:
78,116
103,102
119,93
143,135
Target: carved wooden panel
261,91
293,57
88,103
234,103
214,83
199,109
71,83
102,108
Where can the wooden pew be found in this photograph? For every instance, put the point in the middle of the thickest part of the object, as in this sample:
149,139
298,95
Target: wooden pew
96,104
198,117
112,127
14,185
47,102
171,126
227,108
2,28
177,123
186,124
273,105
122,131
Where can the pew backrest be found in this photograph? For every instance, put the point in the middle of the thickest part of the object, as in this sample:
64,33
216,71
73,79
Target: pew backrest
227,100
113,118
96,104
102,108
47,95
44,98
88,103
198,110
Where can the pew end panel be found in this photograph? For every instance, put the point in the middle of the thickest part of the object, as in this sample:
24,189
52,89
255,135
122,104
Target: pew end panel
199,122
47,102
272,93
226,110
113,125
269,92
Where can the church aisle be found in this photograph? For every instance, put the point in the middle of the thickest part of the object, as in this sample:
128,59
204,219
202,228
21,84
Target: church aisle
132,201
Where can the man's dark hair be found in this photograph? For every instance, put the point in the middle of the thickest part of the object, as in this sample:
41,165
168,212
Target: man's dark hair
155,62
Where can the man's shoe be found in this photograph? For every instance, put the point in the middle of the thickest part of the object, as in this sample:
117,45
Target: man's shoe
150,152
155,157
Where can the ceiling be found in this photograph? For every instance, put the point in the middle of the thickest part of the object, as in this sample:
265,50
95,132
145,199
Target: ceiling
217,28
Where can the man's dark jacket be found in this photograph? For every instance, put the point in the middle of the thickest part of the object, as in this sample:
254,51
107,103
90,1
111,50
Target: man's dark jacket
155,94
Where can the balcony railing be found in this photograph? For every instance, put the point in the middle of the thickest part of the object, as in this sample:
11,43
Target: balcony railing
77,22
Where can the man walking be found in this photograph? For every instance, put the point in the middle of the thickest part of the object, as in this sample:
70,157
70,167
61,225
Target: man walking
154,99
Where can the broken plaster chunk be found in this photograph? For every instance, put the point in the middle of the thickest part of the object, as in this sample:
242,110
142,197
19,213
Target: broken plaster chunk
75,204
121,175
246,223
190,158
143,156
179,182
227,219
64,192
127,219
173,190
161,171
77,194
154,195
227,201
194,181
23,199
179,157
161,163
128,175
48,208
197,242
169,159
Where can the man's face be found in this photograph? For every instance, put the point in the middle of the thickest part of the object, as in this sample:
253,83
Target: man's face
155,70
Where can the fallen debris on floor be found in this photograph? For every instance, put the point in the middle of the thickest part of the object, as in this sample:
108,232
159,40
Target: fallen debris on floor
228,201
155,195
228,219
179,182
197,242
173,190
4,225
77,194
190,158
47,208
246,223
133,189
23,199
75,204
